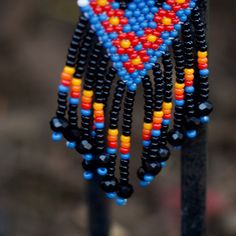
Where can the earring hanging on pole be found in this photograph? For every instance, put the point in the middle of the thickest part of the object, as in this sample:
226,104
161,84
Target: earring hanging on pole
128,44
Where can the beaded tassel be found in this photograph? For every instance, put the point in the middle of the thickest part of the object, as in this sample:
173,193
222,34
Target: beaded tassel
122,43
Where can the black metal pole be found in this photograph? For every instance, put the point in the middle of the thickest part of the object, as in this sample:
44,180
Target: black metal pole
193,175
98,212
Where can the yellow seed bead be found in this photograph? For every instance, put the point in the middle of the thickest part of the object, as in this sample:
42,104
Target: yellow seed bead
167,105
114,20
202,54
125,43
158,113
69,70
88,93
166,21
180,1
113,132
188,71
136,61
151,38
98,106
125,139
102,3
76,81
179,86
147,126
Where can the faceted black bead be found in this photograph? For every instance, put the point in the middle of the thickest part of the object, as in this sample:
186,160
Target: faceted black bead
140,173
152,166
88,165
163,153
175,138
192,123
72,133
109,184
102,160
58,124
204,108
85,146
125,191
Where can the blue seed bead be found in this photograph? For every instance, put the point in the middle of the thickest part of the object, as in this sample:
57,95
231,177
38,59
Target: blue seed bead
100,32
163,164
179,103
113,35
118,65
71,145
150,3
152,24
192,4
125,156
88,175
158,53
141,5
140,33
102,171
189,89
142,72
144,24
121,201
99,125
137,13
115,58
146,143
63,89
191,133
166,6
88,157
132,21
149,16
187,12
148,66
102,17
163,48
132,6
132,87
177,27
138,47
137,80
124,58
183,18
135,27
134,74
74,101
166,121
85,112
154,9
107,44
145,10
111,195
127,28
56,136
180,13
143,184
177,147
111,150
113,49
148,178
156,133
93,133
122,72
174,33
115,5
128,13
204,119
165,35
168,42
204,72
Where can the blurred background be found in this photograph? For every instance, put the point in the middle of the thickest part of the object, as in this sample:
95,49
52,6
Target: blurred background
41,189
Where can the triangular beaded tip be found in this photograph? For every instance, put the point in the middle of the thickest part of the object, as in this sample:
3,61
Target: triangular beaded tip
136,37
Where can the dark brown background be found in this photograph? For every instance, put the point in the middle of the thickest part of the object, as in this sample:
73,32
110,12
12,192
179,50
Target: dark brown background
41,189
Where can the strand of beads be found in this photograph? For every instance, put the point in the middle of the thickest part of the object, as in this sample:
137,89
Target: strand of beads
176,135
125,190
150,167
109,183
191,121
99,118
73,134
59,123
204,107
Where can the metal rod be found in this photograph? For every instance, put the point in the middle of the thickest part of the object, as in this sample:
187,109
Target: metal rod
194,174
98,210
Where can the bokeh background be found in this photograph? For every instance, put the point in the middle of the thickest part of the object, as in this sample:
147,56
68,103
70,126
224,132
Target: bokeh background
41,189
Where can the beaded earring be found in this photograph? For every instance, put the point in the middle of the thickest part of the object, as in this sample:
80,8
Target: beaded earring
138,42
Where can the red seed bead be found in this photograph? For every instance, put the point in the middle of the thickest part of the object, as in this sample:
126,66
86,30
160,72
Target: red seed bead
188,82
120,50
146,136
146,131
124,150
112,144
139,67
99,119
86,106
166,116
179,97
75,94
156,126
66,82
202,66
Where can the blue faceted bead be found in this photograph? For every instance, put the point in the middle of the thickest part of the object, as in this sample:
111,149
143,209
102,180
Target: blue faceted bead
191,134
88,175
56,136
102,171
121,201
204,119
148,178
71,145
144,184
88,157
111,195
